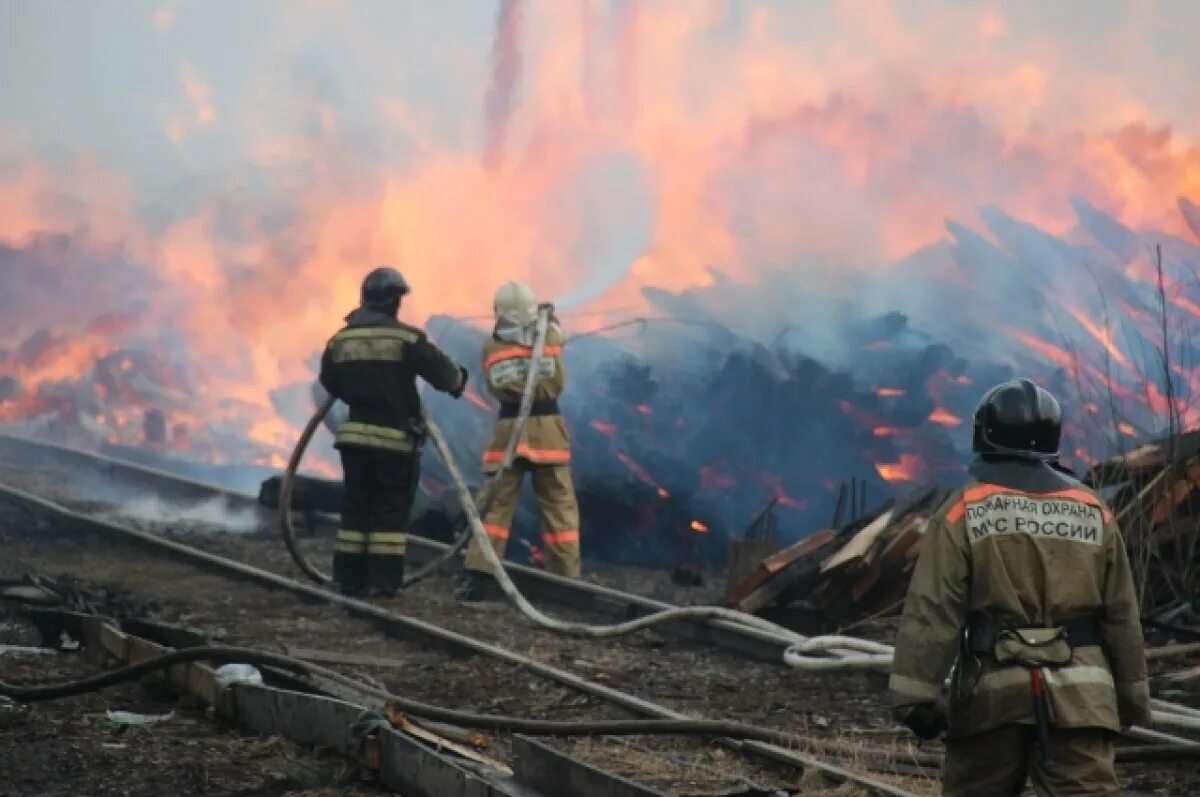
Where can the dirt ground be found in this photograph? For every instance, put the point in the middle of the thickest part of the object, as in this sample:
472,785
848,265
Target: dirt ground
691,678
72,747
242,614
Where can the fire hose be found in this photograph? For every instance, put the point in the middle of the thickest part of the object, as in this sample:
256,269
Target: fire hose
41,692
486,495
839,652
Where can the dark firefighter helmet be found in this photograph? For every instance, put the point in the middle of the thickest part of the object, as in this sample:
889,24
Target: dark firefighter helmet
383,288
1018,418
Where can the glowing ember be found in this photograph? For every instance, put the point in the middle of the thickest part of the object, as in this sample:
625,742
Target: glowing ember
645,409
906,470
662,493
1127,430
944,417
607,429
699,527
639,471
890,392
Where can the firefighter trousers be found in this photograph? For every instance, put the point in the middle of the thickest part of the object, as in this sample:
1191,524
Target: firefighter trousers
557,508
379,488
998,762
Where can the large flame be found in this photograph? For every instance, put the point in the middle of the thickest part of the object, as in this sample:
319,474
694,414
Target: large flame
623,147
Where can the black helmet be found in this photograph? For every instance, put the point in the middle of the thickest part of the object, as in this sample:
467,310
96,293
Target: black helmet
382,289
1018,418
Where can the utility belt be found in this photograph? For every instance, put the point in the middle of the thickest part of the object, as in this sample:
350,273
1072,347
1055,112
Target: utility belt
543,407
985,636
379,427
1031,647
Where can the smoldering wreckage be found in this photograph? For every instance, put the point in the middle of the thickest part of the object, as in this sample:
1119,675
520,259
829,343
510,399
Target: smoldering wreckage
814,577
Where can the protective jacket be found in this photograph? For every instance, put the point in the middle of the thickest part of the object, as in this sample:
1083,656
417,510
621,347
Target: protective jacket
372,365
505,365
1027,548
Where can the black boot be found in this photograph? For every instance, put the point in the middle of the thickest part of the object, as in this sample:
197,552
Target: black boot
350,572
479,587
387,574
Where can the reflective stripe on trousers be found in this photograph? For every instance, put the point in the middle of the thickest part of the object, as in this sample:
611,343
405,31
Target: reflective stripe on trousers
357,433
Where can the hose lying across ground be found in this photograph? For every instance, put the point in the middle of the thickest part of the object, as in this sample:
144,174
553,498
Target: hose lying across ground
835,652
34,693
486,495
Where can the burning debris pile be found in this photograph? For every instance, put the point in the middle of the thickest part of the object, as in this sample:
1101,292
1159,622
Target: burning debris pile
670,462
1155,492
842,575
718,398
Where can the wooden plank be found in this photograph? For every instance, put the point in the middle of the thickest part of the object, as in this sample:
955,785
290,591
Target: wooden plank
744,557
113,642
546,769
780,571
410,768
859,544
308,720
775,563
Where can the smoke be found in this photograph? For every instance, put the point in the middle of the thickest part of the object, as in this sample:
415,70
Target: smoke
506,72
211,515
636,160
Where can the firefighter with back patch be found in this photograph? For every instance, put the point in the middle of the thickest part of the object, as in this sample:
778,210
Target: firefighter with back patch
544,451
372,365
1023,577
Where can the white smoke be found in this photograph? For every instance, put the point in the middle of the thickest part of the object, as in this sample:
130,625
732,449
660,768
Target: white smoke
212,515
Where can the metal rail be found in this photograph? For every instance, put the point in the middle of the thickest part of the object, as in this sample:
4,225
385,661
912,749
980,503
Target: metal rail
538,584
401,625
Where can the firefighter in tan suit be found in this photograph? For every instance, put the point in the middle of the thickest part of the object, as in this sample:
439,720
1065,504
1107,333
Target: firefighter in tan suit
544,452
1023,579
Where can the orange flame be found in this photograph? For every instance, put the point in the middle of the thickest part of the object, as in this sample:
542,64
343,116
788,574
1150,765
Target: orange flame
889,392
944,417
907,469
699,527
606,429
1103,335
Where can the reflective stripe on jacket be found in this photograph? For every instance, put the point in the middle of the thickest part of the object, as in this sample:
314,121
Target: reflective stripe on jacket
1023,559
505,365
372,365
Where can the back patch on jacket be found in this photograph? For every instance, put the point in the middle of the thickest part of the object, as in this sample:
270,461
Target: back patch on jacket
1046,517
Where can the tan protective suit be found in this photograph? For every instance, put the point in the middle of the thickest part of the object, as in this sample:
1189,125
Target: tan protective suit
1024,559
544,452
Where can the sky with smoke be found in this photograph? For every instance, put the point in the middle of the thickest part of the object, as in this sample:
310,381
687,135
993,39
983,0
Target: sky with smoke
221,173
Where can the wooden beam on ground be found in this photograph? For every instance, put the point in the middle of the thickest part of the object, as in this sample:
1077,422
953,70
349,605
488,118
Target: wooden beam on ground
546,769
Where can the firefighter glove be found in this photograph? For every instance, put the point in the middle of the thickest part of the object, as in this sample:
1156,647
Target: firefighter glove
462,382
926,720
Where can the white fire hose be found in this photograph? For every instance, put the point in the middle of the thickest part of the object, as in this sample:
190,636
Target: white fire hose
486,495
848,652
834,652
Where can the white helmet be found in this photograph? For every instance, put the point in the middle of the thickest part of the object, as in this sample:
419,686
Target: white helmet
515,302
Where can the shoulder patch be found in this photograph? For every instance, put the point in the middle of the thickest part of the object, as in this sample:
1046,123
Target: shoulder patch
992,511
378,333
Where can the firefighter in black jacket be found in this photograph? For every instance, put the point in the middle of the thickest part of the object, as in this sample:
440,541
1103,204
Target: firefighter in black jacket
372,365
